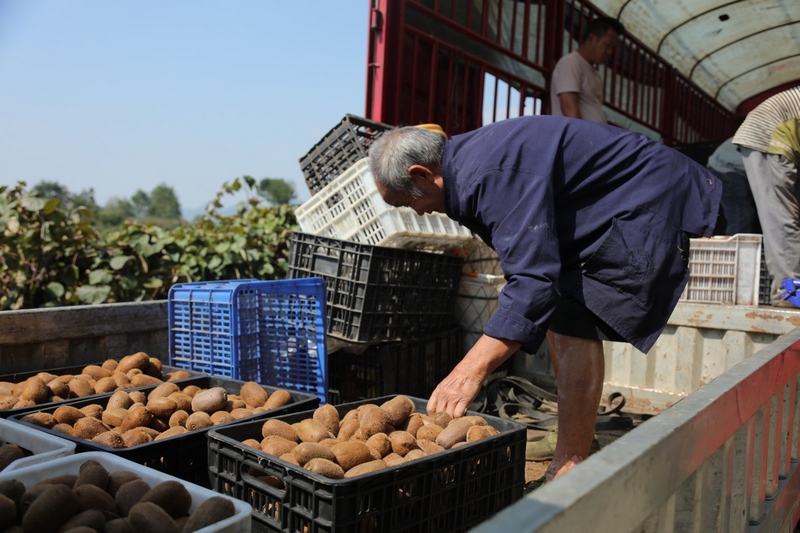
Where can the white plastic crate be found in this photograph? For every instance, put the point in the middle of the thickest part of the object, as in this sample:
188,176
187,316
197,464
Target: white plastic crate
481,259
351,208
44,447
238,523
477,300
724,270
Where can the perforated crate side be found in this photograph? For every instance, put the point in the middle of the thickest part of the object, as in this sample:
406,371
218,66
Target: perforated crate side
213,326
342,146
724,270
452,490
293,353
414,368
765,281
378,294
184,456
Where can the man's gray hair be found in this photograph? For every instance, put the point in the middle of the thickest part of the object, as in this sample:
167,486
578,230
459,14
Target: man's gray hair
391,155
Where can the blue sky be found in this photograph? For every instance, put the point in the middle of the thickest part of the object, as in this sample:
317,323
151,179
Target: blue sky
123,95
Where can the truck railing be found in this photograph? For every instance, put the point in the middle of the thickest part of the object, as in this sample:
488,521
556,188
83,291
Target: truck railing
722,459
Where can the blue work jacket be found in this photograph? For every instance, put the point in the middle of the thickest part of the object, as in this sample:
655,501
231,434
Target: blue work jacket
591,210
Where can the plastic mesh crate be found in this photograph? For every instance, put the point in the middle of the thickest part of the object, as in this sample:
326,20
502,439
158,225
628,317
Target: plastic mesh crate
448,491
764,282
378,294
41,446
351,208
413,368
184,456
477,300
340,148
724,270
272,332
30,476
481,259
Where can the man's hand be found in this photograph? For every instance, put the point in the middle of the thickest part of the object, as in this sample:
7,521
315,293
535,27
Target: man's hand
456,392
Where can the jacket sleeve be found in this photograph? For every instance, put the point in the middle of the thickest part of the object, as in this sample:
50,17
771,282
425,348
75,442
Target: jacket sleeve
518,210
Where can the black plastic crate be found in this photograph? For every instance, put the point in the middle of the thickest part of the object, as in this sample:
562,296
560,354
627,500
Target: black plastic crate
76,369
379,294
340,148
449,491
765,281
413,368
183,456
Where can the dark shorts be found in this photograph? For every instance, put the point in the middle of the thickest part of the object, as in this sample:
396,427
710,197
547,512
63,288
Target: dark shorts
573,319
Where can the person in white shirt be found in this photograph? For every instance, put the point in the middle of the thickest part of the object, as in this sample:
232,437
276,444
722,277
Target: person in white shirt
576,88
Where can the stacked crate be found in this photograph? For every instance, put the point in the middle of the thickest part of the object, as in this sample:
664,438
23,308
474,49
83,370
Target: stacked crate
394,278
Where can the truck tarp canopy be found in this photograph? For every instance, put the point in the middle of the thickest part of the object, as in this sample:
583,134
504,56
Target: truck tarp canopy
733,50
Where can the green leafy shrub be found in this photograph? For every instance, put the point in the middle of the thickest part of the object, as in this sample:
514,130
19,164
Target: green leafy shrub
50,257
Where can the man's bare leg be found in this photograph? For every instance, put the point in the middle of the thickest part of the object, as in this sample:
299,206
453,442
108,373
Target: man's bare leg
579,366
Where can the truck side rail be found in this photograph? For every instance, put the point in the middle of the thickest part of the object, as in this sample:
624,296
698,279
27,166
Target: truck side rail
64,336
722,459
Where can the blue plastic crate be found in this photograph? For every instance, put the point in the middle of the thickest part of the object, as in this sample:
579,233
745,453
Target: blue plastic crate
271,332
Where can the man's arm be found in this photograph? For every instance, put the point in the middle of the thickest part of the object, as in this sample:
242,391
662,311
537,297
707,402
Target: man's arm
457,391
569,105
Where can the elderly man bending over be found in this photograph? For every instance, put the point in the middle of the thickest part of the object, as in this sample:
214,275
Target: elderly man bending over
591,224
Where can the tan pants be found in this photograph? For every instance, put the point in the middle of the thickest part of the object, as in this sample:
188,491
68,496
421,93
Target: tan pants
776,191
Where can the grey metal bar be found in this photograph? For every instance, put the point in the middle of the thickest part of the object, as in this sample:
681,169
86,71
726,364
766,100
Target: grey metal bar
620,487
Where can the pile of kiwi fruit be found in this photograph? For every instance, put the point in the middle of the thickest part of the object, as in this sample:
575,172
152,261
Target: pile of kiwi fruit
95,500
10,452
133,418
366,439
132,371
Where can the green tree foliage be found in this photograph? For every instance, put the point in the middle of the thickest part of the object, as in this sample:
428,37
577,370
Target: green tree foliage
164,203
52,256
115,212
276,191
140,203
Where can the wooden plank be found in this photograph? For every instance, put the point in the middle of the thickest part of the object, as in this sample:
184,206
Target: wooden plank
42,325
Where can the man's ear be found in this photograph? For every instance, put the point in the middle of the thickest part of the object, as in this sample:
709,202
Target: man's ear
420,171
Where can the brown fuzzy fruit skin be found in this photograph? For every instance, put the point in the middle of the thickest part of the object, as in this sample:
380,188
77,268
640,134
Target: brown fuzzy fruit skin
198,420
45,420
35,390
58,387
147,516
279,398
178,418
138,360
455,432
178,374
210,401
380,442
429,447
91,519
211,511
110,364
118,525
171,432
325,468
137,416
402,442
399,409
351,453
428,432
442,419
79,387
476,433
112,439
92,473
171,496
114,416
143,380
373,422
309,430
10,453
97,372
253,394
328,416
66,414
162,407
279,428
119,478
104,385
88,428
13,490
306,451
348,428
93,497
393,459
415,454
8,511
365,468
182,400
48,512
130,494
163,391
93,410
277,446
220,417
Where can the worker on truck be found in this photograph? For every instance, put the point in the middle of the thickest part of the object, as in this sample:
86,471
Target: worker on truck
591,224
